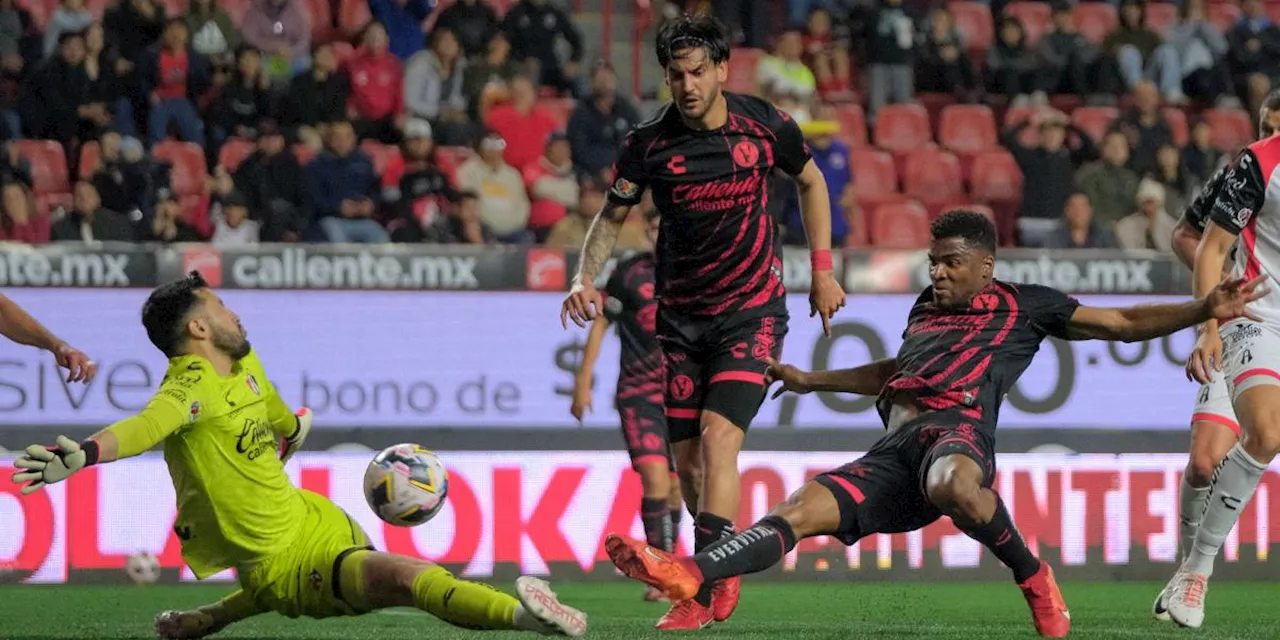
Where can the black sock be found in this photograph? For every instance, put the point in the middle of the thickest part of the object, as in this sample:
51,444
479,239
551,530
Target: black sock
656,518
676,513
754,549
1003,539
708,529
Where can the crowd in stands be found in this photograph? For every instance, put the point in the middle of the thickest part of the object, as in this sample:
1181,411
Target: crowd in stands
479,121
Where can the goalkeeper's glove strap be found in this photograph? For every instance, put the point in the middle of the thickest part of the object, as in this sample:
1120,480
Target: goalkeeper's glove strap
90,449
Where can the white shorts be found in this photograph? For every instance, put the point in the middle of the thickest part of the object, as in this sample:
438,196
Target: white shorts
1250,356
1213,404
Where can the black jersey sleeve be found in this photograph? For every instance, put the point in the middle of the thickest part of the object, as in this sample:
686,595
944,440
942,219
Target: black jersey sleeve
1243,192
1197,213
1048,309
629,180
792,151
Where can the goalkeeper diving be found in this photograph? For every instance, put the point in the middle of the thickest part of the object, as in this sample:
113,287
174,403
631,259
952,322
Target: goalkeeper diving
226,435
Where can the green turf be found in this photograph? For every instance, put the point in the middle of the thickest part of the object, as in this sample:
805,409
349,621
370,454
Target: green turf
842,611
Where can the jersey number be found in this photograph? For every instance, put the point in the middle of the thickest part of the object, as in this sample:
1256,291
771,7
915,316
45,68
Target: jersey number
676,165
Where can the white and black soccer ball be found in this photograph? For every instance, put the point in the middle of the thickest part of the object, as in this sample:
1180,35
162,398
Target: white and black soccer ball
406,485
142,568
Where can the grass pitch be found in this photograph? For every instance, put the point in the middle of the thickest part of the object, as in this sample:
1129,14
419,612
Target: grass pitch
790,611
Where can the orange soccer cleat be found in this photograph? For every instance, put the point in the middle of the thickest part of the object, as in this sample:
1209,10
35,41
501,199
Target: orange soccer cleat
654,567
724,597
1048,608
686,616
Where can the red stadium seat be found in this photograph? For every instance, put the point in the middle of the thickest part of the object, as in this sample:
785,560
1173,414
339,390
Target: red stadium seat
903,127
1161,17
1035,18
233,152
175,7
322,20
1095,120
235,9
902,225
859,234
874,174
1177,119
742,69
48,165
933,176
303,153
853,125
189,173
1223,15
559,109
1231,129
1273,11
353,16
382,154
973,21
88,163
976,208
995,177
450,158
968,128
1094,20
40,11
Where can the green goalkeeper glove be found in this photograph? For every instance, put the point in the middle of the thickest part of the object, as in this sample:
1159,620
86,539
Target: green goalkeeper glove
290,444
49,465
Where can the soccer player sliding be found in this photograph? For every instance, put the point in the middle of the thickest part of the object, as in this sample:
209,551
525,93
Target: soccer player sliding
968,339
226,435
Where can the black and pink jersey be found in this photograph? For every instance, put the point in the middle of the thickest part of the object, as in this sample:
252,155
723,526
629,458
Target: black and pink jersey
630,304
718,247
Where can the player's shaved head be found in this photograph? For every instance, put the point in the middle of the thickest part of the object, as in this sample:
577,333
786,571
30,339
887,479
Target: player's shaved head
961,256
166,310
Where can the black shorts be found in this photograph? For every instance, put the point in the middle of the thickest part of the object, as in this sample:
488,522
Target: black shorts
644,428
717,364
884,490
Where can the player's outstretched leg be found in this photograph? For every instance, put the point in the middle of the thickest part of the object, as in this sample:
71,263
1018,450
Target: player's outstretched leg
373,580
720,443
954,485
209,619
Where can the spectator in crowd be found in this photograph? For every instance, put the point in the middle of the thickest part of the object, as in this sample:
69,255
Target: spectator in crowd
126,182
1200,158
14,168
827,56
69,17
11,79
167,225
522,124
239,105
376,103
403,20
20,38
552,186
473,21
571,230
274,186
20,222
1066,58
89,222
534,28
416,190
56,103
462,225
1109,182
433,88
1202,51
281,29
1168,173
1141,53
943,66
1253,47
748,20
172,74
1011,65
1048,170
1078,229
345,189
488,79
890,41
109,79
133,26
504,204
1145,127
1150,227
213,34
785,72
315,98
232,226
832,158
634,234
598,124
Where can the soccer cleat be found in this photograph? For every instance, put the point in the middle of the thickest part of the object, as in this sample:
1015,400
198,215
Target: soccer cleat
184,625
654,594
1186,598
654,567
724,597
686,615
540,601
1048,609
1160,608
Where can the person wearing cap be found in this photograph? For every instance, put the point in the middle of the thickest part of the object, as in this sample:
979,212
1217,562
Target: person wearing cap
553,187
416,190
504,203
1150,227
832,157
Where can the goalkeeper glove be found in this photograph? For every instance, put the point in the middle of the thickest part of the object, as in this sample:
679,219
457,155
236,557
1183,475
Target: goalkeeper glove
290,444
48,465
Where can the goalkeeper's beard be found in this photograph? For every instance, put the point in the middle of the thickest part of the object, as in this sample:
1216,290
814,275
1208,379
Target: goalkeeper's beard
236,346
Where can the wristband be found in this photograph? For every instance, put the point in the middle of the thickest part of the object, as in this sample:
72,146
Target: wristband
90,449
820,260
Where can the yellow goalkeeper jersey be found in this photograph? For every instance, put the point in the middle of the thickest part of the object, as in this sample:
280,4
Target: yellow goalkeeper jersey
221,443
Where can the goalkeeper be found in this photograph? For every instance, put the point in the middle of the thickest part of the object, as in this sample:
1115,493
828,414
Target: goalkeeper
295,552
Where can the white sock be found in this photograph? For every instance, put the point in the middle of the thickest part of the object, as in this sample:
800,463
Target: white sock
1190,510
1233,485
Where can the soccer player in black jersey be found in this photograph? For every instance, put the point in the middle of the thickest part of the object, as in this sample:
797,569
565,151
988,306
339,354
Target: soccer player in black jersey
708,156
629,303
968,339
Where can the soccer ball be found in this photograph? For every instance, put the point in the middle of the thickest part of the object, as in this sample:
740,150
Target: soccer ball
142,568
406,485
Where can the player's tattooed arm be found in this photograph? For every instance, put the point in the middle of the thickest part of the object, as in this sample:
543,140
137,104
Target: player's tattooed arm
597,248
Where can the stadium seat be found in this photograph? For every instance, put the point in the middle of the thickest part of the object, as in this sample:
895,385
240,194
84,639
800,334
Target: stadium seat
48,165
1231,129
742,69
1273,11
40,11
933,176
175,7
973,21
1035,18
1223,15
353,17
1161,17
321,21
934,103
1094,20
382,154
233,152
235,9
303,153
559,109
859,235
1095,120
189,172
968,128
995,177
903,127
450,158
853,125
900,225
1177,119
875,176
88,162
